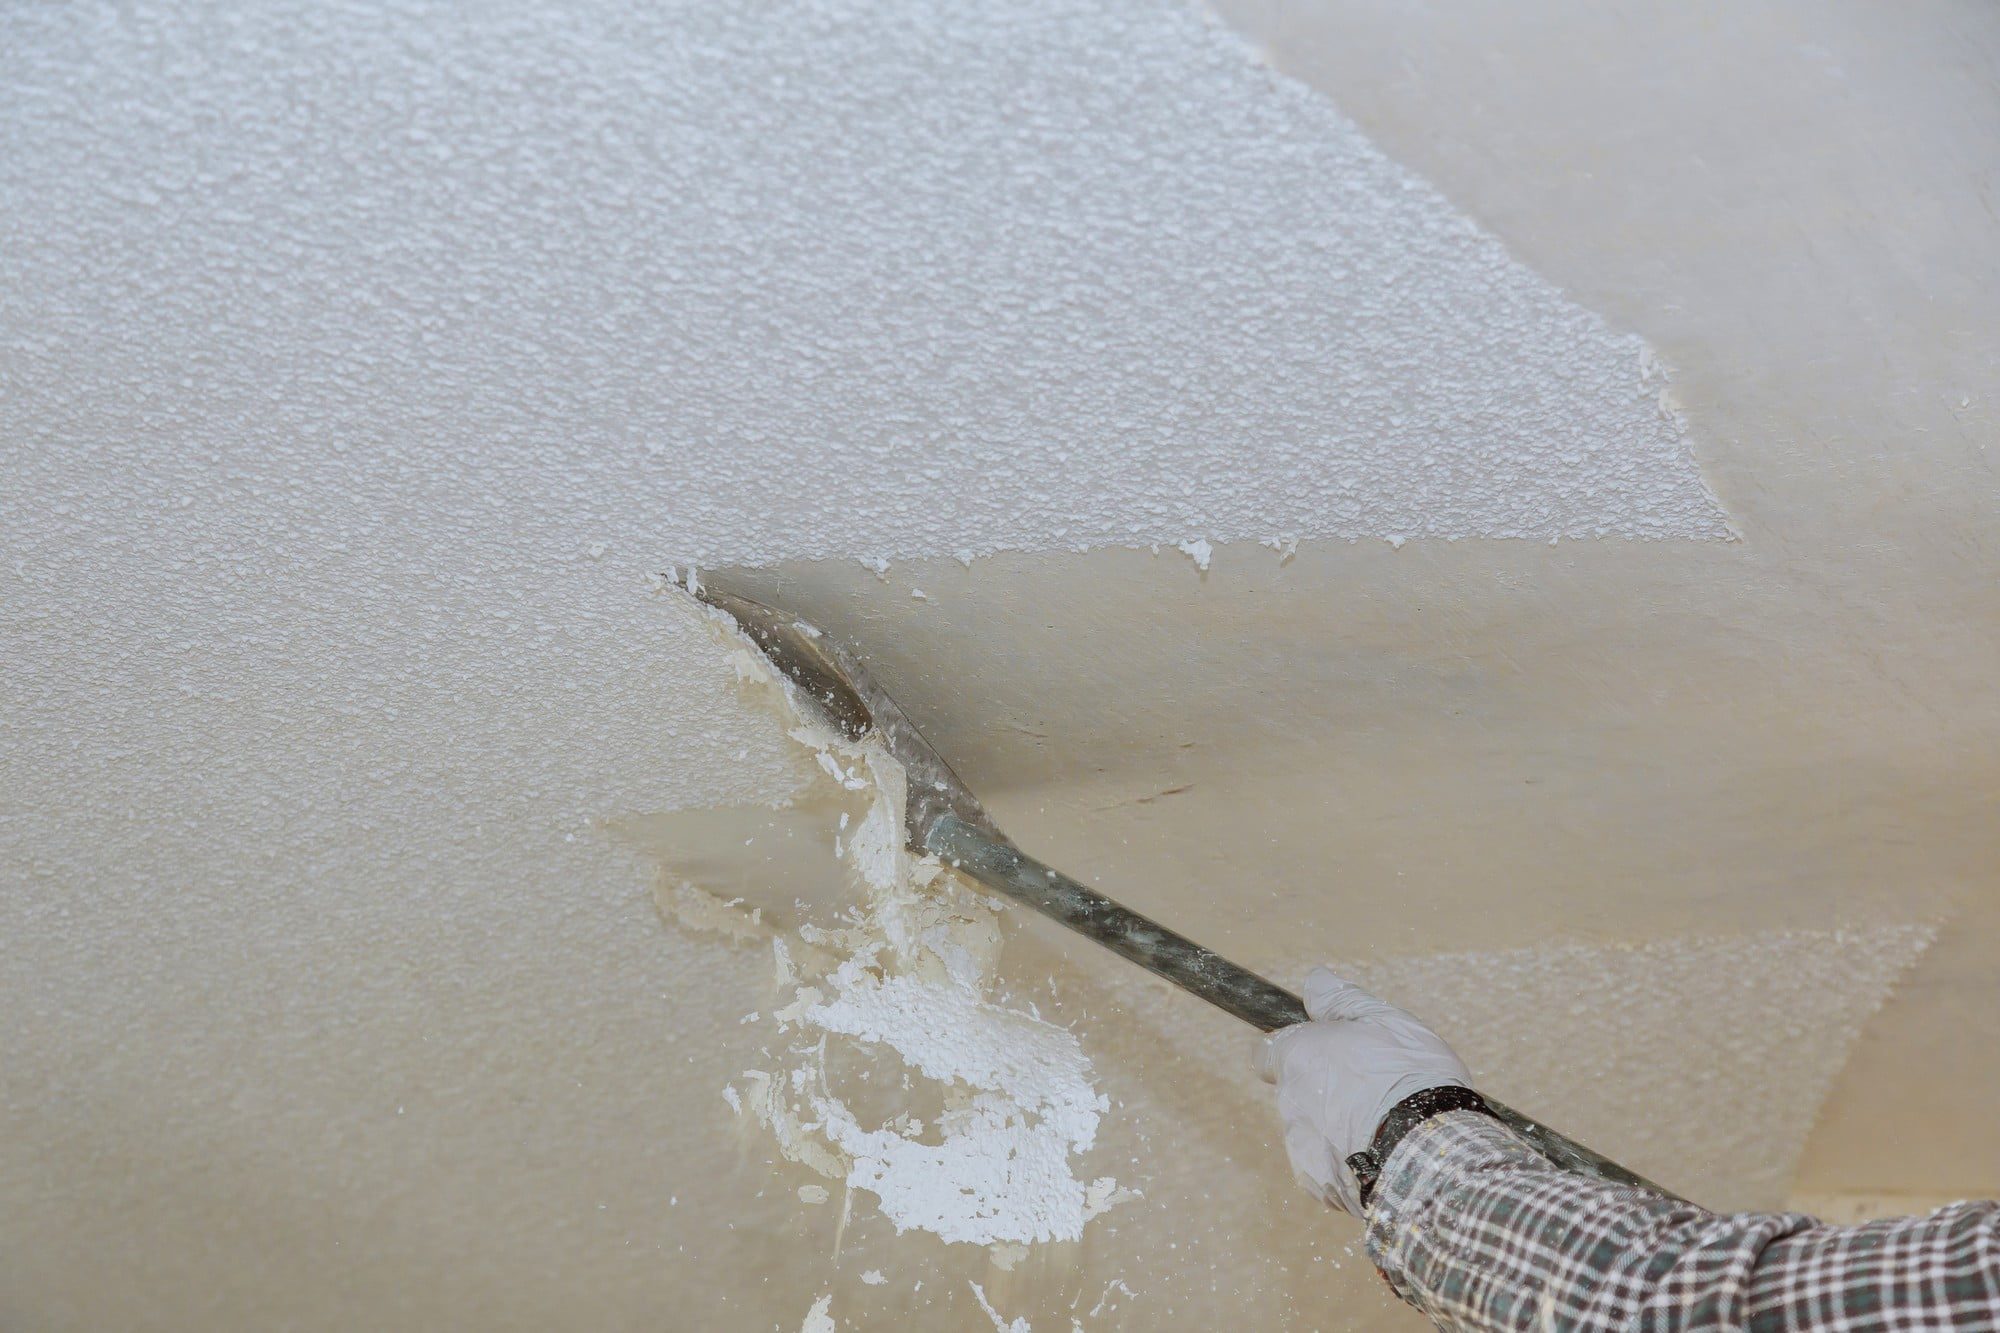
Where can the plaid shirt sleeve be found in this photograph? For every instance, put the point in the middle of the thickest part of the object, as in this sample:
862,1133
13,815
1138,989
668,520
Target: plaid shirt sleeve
1480,1232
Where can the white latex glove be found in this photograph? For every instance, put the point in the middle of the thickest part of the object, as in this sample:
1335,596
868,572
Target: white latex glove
1339,1074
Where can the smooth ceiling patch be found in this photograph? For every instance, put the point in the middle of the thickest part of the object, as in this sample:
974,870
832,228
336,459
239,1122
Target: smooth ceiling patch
744,283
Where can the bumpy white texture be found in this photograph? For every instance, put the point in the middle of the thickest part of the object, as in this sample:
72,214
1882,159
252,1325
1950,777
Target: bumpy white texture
1738,1038
989,1047
999,1169
733,283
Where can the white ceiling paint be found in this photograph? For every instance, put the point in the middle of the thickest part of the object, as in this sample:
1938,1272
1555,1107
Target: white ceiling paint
738,284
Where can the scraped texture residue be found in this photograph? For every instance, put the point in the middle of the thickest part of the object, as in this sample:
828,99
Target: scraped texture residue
1000,1324
901,1074
1739,1039
818,1320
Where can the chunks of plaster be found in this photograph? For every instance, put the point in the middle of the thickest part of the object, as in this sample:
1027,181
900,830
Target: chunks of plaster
1198,550
819,1319
1007,1099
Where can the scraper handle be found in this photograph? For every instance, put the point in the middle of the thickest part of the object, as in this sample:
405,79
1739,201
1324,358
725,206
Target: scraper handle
1001,866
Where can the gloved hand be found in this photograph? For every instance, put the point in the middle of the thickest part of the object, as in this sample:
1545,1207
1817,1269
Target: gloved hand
1339,1074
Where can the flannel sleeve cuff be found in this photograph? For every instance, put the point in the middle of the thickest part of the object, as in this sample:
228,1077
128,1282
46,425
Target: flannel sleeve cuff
1434,1162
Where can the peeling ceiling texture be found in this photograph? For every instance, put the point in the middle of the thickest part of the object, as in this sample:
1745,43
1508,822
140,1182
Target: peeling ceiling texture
1583,431
827,279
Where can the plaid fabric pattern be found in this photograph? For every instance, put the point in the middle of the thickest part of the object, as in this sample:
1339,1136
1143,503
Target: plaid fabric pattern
1477,1230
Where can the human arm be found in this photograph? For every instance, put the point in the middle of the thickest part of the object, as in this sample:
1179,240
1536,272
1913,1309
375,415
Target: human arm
1478,1231
1471,1225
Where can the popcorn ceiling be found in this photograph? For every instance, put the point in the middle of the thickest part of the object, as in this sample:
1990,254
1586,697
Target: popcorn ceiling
1007,1099
1197,550
742,283
1742,1037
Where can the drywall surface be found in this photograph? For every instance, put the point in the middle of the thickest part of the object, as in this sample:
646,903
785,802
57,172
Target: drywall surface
813,279
1740,1036
1726,180
361,364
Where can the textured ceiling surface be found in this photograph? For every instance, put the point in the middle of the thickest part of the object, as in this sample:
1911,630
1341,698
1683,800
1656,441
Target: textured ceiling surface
359,364
815,279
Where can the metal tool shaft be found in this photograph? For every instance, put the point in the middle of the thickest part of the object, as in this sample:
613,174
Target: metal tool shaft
1001,866
944,818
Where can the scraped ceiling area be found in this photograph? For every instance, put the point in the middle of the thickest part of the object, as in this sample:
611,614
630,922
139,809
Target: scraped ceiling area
361,367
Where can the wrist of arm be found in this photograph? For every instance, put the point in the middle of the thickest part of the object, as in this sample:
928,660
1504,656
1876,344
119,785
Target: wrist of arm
1403,1117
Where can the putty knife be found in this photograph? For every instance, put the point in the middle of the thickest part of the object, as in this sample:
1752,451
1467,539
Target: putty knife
944,819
